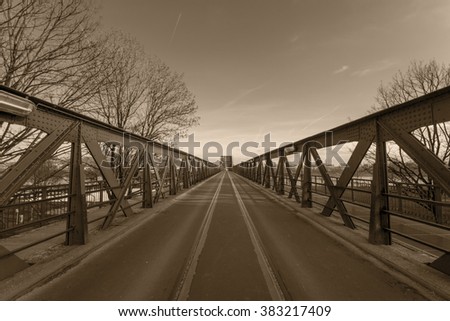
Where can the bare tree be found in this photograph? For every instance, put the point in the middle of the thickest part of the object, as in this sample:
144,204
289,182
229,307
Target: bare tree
143,95
50,49
421,78
47,49
117,102
169,106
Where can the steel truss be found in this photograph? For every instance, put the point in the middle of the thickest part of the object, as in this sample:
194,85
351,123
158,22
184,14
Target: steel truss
65,126
394,124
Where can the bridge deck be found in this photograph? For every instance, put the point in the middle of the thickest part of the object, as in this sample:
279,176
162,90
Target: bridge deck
225,240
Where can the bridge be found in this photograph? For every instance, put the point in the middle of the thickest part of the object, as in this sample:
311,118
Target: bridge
132,219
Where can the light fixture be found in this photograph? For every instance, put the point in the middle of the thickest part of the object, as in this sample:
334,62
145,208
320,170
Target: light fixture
15,105
289,150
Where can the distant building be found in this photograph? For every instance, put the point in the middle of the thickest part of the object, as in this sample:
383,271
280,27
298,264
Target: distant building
227,161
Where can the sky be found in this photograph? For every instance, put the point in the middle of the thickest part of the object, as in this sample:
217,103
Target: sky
291,68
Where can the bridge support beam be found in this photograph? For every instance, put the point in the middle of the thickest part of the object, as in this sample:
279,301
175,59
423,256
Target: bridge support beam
77,220
107,173
379,219
161,179
293,180
19,173
259,172
173,175
186,168
419,153
192,172
280,171
124,188
357,156
266,175
147,195
306,179
271,175
332,190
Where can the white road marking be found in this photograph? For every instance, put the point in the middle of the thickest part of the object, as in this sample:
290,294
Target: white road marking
269,276
184,288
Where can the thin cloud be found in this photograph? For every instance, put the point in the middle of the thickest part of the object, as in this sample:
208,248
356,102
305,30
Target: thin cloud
244,94
342,69
175,28
294,39
314,121
374,67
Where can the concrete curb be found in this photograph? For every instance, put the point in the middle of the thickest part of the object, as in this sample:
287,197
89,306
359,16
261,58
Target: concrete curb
41,273
402,262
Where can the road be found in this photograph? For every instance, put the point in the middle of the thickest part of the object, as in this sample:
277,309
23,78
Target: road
224,240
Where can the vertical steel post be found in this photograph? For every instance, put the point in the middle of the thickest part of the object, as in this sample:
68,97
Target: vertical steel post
203,170
194,172
266,180
44,206
306,181
100,187
200,171
77,219
173,174
147,195
272,174
185,165
400,200
267,172
437,209
281,169
379,219
259,172
254,171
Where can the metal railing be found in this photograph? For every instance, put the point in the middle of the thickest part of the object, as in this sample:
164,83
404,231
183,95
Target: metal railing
386,207
150,174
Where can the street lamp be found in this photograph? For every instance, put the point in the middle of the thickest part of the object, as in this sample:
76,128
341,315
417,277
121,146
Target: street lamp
289,150
15,105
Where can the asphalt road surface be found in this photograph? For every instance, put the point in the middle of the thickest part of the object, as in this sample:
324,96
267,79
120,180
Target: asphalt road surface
225,240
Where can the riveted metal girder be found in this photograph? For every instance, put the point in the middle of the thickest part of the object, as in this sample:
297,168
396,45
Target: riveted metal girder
77,225
331,188
306,180
428,161
107,174
121,196
280,174
357,156
19,173
147,195
294,178
48,116
266,176
379,218
161,179
259,172
271,173
423,111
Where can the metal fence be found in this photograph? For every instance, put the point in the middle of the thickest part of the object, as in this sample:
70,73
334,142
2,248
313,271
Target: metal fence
386,207
153,171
